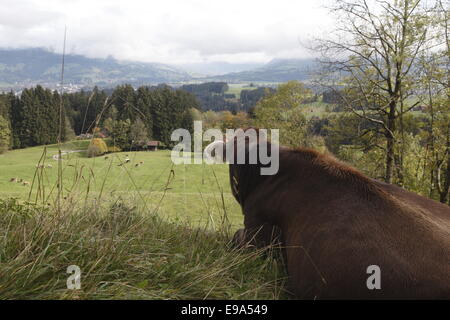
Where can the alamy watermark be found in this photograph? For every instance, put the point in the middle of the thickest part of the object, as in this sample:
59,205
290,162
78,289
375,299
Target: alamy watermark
74,280
235,146
374,281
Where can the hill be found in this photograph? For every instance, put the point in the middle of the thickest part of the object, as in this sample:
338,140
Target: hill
26,67
218,68
277,70
21,68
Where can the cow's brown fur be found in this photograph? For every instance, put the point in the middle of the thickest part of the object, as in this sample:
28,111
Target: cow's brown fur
335,222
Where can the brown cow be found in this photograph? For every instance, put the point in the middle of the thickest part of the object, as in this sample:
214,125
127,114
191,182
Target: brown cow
334,223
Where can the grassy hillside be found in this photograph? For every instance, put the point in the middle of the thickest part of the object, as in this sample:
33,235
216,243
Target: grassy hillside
134,232
193,192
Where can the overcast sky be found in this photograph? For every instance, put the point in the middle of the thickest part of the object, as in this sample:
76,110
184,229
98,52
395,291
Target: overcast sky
167,31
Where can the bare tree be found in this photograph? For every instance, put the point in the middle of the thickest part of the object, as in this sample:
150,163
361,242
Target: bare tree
370,62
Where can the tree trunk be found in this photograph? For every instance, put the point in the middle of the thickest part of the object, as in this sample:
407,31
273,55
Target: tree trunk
390,143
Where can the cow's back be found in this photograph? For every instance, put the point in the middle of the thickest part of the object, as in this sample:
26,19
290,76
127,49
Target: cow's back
335,223
410,244
332,236
436,210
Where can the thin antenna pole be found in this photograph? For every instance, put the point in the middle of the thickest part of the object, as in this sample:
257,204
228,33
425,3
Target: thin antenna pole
61,92
62,85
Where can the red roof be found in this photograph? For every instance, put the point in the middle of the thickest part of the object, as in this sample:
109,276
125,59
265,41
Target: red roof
152,143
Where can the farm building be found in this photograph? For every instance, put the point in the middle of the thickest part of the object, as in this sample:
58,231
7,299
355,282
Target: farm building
152,145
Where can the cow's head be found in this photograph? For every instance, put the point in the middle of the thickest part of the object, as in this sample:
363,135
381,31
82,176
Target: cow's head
250,155
242,146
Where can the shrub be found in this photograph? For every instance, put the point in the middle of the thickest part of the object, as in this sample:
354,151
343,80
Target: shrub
114,149
97,147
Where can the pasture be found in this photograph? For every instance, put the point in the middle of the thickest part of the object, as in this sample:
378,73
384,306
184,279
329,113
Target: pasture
153,231
236,88
196,193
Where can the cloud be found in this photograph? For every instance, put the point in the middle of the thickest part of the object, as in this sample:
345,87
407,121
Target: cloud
173,31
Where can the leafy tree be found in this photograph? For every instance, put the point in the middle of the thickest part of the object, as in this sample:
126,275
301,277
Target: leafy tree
138,134
211,95
249,98
347,129
35,118
5,105
5,135
374,57
231,121
124,99
69,133
5,112
170,111
162,114
288,95
96,148
283,110
435,93
86,108
121,134
144,103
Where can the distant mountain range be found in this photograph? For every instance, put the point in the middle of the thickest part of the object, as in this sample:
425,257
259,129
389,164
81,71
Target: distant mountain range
28,67
277,70
209,69
41,66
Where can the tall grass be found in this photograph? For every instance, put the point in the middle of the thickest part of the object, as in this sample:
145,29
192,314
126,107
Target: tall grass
124,253
125,249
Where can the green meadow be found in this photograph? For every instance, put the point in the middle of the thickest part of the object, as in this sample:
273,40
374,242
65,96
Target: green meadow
152,231
236,88
197,193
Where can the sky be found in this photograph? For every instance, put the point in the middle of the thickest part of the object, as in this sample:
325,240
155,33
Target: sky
167,31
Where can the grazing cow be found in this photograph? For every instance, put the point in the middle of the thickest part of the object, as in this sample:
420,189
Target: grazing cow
13,180
25,183
335,224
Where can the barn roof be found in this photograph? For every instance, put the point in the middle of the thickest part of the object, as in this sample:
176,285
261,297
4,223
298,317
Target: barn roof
152,143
